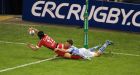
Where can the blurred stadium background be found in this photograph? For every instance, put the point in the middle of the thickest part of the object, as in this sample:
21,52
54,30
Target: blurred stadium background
120,59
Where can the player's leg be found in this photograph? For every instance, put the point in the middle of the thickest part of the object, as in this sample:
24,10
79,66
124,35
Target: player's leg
101,50
70,56
96,54
104,46
85,53
67,55
94,48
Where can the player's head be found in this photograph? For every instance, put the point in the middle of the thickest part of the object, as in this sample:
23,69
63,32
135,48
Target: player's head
69,43
40,34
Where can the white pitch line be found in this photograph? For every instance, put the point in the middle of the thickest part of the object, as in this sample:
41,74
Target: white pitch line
24,65
12,42
125,54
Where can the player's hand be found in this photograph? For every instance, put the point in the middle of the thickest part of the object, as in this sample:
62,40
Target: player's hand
30,28
34,48
29,45
56,49
36,30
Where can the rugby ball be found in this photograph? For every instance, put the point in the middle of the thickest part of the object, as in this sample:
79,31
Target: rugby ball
31,32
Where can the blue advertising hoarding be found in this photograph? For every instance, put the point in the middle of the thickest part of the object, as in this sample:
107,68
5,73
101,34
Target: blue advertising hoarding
109,15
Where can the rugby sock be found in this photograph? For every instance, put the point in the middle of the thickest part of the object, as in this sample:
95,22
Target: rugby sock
93,48
104,46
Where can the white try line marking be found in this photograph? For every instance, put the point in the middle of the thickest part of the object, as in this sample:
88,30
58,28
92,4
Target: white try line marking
24,65
125,54
12,42
107,52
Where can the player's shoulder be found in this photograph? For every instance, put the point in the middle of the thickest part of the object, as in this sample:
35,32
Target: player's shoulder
60,45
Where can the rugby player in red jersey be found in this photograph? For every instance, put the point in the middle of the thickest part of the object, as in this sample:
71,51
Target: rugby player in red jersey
48,42
45,41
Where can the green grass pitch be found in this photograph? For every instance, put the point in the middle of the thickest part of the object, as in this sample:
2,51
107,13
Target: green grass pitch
12,54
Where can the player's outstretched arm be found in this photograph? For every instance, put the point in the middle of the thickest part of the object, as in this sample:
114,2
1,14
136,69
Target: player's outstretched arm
32,47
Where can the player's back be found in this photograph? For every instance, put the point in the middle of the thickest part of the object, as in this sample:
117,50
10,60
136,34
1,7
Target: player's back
47,42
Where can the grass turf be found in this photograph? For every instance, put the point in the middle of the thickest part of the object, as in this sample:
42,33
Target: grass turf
12,55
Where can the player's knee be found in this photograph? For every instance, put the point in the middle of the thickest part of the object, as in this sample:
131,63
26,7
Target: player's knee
97,54
67,55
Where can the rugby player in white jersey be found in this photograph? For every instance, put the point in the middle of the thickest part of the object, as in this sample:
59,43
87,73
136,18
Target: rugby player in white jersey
87,53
